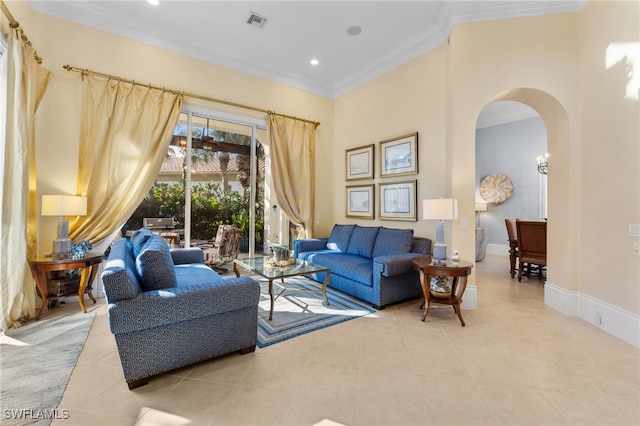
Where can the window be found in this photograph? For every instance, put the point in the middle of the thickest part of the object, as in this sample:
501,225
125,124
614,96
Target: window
213,174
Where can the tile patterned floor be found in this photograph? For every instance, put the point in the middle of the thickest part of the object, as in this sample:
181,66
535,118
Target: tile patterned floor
517,362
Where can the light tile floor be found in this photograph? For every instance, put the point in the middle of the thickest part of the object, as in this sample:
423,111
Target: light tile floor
517,362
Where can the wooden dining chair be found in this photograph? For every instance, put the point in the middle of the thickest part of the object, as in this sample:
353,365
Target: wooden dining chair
512,234
532,247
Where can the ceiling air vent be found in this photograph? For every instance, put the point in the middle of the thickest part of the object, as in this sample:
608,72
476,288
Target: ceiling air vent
257,20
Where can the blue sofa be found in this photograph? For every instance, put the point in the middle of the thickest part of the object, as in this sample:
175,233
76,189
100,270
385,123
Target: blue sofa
167,309
371,263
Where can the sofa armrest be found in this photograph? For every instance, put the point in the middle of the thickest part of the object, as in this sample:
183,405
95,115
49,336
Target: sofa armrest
309,244
183,256
394,264
157,308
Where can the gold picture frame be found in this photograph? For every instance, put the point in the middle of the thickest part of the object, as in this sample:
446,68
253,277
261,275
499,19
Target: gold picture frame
359,163
397,200
360,201
399,156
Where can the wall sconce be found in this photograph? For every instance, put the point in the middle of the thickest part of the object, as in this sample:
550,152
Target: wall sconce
542,163
63,205
441,209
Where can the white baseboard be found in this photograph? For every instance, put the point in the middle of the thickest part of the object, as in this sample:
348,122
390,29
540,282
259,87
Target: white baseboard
615,321
470,299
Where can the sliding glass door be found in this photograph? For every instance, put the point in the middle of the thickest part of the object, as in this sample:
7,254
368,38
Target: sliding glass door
213,174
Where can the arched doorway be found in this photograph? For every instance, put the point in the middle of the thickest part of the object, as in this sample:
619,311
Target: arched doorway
562,202
509,137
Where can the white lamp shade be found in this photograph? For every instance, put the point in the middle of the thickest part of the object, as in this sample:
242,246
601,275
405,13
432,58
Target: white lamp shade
440,209
64,205
481,207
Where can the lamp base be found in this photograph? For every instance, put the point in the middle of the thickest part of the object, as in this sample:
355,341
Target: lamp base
61,248
440,251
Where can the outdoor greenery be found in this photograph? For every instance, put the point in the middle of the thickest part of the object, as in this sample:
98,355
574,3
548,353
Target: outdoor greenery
212,204
210,207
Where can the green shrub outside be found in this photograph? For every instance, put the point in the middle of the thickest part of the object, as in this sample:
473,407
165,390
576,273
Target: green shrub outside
210,207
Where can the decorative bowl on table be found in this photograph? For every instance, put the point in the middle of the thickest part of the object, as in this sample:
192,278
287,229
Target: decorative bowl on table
281,256
440,287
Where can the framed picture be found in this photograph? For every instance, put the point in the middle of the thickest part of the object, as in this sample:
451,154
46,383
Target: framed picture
360,201
399,156
398,200
359,162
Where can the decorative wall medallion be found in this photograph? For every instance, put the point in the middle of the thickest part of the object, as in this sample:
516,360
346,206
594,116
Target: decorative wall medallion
496,188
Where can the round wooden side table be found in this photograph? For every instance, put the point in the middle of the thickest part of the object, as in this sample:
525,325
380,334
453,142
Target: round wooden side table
457,271
43,267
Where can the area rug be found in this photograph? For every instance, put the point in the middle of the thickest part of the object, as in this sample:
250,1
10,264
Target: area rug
298,311
36,362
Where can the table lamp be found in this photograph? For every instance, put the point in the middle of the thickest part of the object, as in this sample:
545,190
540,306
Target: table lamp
480,207
440,209
63,205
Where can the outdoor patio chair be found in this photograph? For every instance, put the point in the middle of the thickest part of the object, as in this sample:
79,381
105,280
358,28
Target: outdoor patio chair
224,248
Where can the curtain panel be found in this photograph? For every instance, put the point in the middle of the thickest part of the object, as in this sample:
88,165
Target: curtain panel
124,136
26,84
292,143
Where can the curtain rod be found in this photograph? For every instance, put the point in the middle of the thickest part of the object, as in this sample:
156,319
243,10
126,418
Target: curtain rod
84,71
15,25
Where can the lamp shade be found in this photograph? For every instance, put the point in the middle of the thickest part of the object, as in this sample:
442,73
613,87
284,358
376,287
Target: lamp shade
481,207
64,205
440,209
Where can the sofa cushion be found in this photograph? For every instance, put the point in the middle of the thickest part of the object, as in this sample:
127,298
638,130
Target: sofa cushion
354,267
421,245
194,274
155,265
119,278
139,239
339,238
363,240
393,241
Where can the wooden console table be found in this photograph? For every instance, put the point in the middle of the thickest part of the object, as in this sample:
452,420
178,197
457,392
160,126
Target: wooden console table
43,267
458,271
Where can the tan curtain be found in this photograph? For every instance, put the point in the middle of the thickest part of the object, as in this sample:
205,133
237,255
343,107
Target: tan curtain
26,84
124,135
292,144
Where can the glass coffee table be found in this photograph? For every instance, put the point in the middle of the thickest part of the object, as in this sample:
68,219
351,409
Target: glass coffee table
260,266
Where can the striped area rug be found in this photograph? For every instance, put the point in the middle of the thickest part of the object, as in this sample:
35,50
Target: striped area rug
37,360
298,310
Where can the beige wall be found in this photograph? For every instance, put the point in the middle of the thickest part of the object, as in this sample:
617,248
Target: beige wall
531,60
556,64
405,100
610,156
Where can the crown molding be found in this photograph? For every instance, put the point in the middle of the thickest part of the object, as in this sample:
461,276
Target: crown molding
450,13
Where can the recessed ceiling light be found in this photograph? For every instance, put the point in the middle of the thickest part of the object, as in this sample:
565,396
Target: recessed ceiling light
153,2
354,30
314,62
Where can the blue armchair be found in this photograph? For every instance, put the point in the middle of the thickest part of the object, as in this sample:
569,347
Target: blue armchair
167,309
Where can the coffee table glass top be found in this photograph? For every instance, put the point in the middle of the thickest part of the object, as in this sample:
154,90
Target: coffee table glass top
259,266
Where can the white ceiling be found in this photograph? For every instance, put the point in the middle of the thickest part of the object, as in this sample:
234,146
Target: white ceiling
393,32
502,112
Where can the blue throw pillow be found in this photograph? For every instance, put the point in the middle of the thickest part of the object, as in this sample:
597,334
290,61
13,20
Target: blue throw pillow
339,238
155,265
393,241
139,239
119,277
362,240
